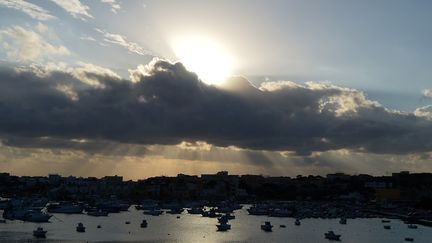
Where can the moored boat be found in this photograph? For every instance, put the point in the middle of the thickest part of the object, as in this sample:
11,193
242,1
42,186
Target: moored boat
330,235
39,233
267,226
80,228
223,227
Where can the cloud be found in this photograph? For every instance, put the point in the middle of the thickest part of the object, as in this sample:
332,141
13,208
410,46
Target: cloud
115,6
75,8
87,38
122,41
30,9
166,104
425,111
27,45
426,93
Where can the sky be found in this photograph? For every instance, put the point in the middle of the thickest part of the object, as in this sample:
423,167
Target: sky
145,88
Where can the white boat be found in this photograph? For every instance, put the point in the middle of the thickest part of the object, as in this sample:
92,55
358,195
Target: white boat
144,224
297,222
343,221
267,226
39,233
332,236
80,228
412,226
223,227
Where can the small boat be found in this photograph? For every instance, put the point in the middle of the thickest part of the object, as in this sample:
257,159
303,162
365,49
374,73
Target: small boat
387,227
343,221
409,239
39,233
127,222
99,226
144,224
412,226
80,228
332,236
267,226
2,221
297,222
178,217
282,226
385,221
223,227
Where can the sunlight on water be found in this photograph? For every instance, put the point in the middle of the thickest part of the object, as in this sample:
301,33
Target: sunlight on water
194,228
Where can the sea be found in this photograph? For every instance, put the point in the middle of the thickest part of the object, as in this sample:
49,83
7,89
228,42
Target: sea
195,228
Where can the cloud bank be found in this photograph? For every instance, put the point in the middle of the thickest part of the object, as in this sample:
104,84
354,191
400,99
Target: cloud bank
163,103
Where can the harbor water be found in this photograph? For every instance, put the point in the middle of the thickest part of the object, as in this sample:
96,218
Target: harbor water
195,228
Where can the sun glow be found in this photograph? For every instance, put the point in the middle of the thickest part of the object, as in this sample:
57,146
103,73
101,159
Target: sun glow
207,58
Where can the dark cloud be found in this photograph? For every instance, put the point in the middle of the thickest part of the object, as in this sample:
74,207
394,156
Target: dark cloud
163,103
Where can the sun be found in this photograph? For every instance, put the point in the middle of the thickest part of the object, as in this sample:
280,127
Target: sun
204,56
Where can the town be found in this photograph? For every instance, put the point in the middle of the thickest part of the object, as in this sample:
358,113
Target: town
402,195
